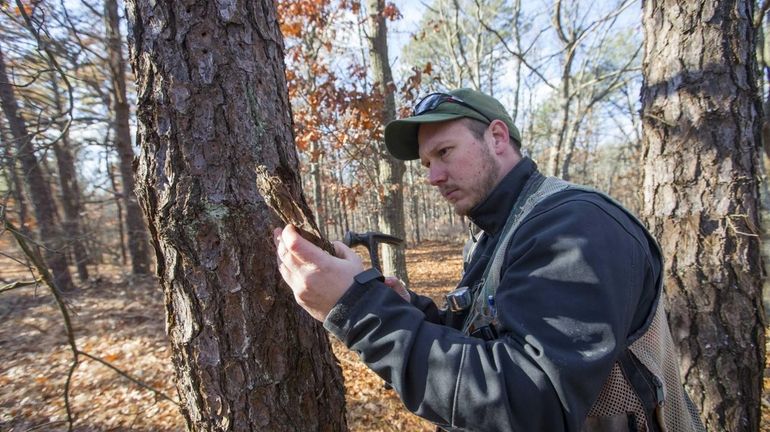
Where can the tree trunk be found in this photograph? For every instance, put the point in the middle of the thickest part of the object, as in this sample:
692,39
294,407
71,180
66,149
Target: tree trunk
763,29
39,190
701,122
516,29
415,206
391,170
119,210
215,132
316,181
70,193
14,182
135,228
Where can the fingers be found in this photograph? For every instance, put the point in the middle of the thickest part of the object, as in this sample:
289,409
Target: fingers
300,249
342,251
317,279
398,286
393,282
289,265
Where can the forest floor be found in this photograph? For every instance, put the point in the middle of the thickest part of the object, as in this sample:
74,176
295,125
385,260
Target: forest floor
121,319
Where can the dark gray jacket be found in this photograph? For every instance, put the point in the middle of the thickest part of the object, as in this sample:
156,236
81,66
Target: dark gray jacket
578,282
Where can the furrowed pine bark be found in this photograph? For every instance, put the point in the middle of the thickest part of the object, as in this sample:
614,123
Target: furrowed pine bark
391,170
217,163
135,229
701,124
39,191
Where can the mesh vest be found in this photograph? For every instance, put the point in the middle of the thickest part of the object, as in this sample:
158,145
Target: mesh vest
618,401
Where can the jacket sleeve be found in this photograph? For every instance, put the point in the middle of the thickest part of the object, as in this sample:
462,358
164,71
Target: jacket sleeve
427,307
569,291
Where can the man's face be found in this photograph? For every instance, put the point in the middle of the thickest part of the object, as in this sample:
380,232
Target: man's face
463,168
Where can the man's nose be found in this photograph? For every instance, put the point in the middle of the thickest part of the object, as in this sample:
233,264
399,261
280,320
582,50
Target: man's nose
436,176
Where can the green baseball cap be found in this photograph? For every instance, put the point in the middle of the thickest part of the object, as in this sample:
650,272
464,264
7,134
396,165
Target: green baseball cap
401,135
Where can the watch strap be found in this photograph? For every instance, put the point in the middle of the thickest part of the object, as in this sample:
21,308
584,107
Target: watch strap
369,275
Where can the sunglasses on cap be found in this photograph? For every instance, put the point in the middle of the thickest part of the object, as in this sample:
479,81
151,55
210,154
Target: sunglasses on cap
433,100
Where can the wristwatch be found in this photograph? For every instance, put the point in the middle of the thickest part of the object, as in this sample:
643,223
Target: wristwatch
367,276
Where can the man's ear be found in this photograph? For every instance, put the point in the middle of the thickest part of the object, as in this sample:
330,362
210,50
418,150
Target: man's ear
499,131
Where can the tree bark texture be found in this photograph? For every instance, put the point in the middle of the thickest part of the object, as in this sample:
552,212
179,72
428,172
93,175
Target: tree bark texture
135,228
701,122
215,134
391,170
39,190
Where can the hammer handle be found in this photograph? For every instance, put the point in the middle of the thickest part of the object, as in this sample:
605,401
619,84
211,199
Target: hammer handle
374,256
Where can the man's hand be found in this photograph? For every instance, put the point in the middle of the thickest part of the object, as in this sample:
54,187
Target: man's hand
317,279
398,286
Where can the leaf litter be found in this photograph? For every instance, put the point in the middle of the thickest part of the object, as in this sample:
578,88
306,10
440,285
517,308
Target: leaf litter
120,318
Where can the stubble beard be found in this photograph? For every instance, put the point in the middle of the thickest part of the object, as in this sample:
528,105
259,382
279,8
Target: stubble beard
481,189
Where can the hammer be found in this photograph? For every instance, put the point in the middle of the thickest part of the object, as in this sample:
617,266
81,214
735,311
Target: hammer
371,240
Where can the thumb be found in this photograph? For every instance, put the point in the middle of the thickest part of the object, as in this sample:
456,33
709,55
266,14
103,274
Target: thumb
299,247
344,252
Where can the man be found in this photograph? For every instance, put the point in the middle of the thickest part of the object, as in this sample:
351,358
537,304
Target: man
557,324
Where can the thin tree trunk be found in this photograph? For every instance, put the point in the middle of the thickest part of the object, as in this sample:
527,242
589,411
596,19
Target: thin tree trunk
391,170
701,122
571,142
14,182
316,180
554,162
39,190
135,228
217,167
119,211
517,62
415,206
70,190
764,71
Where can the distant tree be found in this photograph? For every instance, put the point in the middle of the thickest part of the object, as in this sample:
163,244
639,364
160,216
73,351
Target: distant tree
309,29
762,27
701,139
135,228
68,180
595,61
451,39
43,204
390,170
215,136
14,199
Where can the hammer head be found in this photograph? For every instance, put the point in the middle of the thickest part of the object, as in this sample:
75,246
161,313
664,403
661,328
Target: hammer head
370,240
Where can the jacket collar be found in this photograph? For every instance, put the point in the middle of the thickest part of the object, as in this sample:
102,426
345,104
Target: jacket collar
491,213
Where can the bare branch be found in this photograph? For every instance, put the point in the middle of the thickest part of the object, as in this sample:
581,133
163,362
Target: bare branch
135,380
47,278
18,284
43,45
759,15
515,53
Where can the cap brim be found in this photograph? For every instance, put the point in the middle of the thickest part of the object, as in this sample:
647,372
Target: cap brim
401,135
